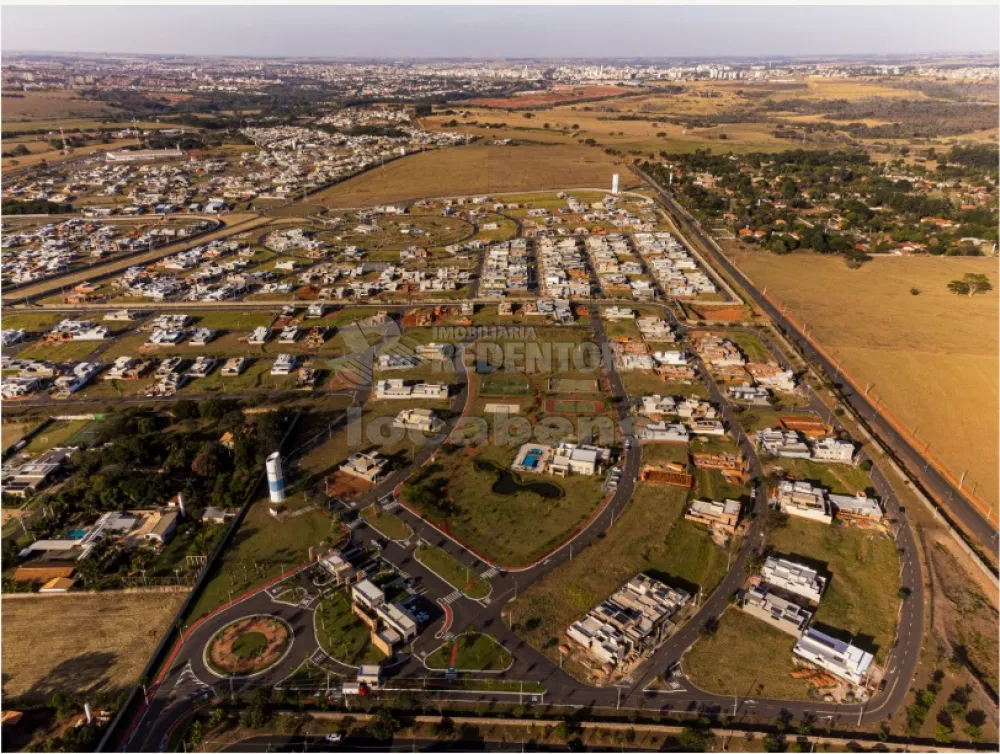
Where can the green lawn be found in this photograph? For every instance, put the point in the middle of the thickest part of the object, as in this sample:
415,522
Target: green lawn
665,452
249,644
74,350
751,346
449,569
838,478
225,319
515,528
262,549
476,652
387,524
692,559
861,598
341,633
55,435
711,485
638,542
746,658
31,321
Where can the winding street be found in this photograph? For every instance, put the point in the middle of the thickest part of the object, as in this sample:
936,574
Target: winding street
188,682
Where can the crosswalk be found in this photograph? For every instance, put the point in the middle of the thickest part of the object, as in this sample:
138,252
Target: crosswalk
486,575
457,594
352,525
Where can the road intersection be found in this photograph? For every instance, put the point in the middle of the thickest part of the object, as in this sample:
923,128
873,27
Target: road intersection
187,681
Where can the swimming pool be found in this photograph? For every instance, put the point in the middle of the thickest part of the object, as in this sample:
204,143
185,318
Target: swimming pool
77,534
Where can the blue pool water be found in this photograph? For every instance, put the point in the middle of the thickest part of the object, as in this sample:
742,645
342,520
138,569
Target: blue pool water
77,534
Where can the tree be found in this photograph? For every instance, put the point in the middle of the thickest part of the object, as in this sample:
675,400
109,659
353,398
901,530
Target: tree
384,724
970,284
208,462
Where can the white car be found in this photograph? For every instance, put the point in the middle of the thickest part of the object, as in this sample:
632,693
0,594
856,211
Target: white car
332,738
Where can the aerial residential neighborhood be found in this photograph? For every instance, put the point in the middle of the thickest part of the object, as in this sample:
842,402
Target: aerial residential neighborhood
478,378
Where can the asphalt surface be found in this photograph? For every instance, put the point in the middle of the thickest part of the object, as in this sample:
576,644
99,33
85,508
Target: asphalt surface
189,681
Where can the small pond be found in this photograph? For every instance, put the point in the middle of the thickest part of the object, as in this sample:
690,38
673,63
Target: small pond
508,484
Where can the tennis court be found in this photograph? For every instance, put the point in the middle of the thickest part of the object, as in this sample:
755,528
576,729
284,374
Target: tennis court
560,406
505,384
565,385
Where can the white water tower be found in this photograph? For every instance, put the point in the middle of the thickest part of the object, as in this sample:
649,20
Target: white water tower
614,184
275,479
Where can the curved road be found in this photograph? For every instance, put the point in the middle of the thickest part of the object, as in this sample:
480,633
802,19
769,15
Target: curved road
188,682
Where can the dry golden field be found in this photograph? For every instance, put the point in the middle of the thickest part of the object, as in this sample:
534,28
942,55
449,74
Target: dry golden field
80,644
932,358
45,105
474,169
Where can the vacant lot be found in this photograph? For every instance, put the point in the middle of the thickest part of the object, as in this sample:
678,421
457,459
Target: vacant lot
932,358
745,657
638,542
45,651
474,169
863,569
475,652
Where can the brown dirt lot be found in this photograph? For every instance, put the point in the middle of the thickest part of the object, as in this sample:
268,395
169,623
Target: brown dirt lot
474,169
932,358
45,651
346,486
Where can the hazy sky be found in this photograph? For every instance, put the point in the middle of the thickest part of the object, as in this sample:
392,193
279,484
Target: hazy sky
501,31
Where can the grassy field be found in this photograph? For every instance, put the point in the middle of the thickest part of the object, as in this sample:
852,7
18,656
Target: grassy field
120,633
515,528
474,169
838,478
745,657
863,566
475,652
341,633
449,569
73,350
387,524
932,359
11,432
48,106
54,435
263,549
638,542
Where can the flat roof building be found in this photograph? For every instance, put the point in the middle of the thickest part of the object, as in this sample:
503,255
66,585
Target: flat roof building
783,614
793,578
840,658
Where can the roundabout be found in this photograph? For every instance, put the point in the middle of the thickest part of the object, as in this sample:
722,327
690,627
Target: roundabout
248,646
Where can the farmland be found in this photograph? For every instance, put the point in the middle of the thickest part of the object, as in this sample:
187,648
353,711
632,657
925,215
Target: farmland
884,335
472,170
121,631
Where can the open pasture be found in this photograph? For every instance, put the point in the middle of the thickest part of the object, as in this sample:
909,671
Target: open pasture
931,358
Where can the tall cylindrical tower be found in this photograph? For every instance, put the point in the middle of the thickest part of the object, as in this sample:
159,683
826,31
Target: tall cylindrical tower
275,479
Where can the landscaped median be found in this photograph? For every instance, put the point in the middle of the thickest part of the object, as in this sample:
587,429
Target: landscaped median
386,524
248,646
470,652
453,572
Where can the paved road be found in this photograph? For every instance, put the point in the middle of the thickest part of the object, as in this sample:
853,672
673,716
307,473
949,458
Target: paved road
938,487
189,678
316,743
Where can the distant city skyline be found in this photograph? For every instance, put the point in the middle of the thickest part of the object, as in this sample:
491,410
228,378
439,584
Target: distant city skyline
491,32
